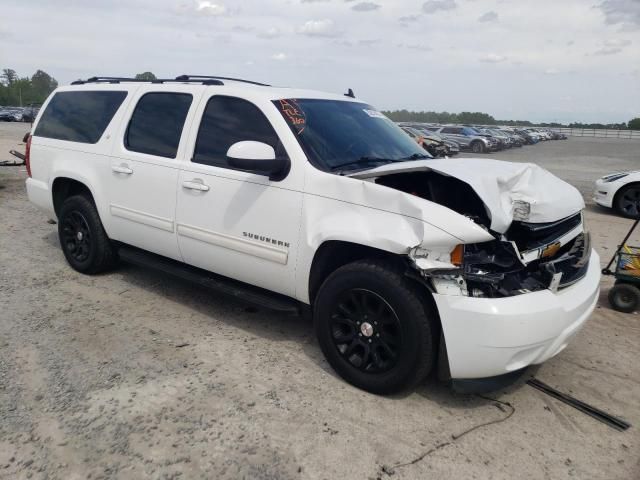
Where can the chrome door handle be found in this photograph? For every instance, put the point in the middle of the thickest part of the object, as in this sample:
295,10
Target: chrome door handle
195,185
121,169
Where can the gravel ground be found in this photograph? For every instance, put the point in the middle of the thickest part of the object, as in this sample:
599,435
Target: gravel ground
133,374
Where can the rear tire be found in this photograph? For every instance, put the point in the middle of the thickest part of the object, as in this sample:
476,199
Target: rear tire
374,328
627,201
84,242
624,297
477,146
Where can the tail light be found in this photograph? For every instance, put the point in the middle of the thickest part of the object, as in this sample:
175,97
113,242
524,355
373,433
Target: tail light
27,156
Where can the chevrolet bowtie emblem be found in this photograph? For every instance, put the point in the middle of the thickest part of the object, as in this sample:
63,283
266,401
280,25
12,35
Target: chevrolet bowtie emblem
550,250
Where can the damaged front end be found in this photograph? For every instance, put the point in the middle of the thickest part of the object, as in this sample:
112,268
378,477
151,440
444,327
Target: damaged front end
553,256
539,241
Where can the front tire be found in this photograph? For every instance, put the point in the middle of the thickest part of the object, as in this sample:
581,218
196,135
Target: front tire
84,242
624,297
627,201
477,147
374,328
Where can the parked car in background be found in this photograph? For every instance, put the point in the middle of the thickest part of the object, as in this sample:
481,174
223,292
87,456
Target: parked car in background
529,137
558,135
17,114
620,191
435,148
451,148
488,138
468,138
514,140
544,134
518,139
503,139
7,115
11,114
30,112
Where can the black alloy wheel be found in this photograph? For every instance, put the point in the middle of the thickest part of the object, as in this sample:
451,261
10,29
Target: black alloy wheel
76,236
84,242
375,326
366,331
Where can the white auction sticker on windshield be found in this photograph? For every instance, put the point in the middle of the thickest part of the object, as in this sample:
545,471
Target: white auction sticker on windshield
373,113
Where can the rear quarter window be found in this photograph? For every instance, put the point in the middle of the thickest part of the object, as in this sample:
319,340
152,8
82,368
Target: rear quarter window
79,116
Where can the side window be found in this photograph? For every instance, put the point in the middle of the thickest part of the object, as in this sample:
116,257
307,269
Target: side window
156,124
80,116
227,120
448,130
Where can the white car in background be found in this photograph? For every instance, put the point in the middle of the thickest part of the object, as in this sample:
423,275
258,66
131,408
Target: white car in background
620,191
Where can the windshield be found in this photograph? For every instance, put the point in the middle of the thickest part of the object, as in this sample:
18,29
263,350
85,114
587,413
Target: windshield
338,135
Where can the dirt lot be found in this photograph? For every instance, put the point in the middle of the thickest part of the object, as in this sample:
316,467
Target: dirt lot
133,374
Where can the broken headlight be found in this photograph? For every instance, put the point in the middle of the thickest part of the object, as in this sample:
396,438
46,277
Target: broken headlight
495,269
490,269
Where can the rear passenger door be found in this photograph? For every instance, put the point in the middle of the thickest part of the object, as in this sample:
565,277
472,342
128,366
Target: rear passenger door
144,169
235,222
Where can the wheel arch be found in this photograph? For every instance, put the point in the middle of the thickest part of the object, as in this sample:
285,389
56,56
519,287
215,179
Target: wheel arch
333,254
64,187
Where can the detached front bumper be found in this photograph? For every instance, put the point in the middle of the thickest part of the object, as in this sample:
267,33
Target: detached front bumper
487,337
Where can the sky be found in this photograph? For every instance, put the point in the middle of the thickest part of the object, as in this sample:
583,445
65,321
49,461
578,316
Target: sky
542,60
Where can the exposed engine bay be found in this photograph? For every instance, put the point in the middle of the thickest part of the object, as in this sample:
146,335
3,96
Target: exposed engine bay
527,257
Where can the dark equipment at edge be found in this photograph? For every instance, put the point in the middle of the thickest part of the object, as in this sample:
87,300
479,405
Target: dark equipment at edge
624,296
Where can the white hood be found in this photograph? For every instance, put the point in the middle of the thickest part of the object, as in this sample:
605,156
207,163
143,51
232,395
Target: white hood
510,191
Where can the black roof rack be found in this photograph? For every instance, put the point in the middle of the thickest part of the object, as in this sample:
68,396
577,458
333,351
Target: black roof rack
203,81
216,77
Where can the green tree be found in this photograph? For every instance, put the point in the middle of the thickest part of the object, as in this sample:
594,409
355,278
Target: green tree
23,91
8,76
145,76
42,84
634,124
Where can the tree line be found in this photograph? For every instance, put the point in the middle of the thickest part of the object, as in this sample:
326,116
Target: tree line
480,118
16,91
20,91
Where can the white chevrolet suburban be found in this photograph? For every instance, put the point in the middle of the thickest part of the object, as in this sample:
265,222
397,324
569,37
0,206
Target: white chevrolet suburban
291,198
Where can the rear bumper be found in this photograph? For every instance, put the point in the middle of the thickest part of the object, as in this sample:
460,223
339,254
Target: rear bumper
40,195
488,337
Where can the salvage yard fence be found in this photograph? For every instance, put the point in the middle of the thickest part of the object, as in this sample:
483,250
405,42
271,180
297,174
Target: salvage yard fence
599,133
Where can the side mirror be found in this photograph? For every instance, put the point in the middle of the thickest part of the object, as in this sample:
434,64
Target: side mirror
258,157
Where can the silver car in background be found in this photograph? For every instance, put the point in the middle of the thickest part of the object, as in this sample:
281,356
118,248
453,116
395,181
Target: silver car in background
468,138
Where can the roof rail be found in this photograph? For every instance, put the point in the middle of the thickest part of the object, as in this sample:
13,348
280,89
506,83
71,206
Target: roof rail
203,81
183,78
